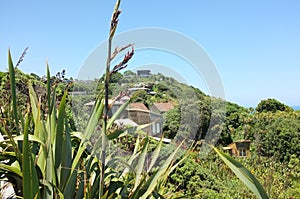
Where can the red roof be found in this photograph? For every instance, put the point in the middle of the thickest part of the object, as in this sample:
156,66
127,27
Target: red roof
164,107
138,105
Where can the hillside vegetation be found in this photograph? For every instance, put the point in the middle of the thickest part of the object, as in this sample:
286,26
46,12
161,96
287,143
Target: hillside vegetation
60,138
272,127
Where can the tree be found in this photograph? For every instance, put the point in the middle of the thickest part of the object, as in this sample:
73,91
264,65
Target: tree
116,77
129,73
139,96
280,134
171,122
271,105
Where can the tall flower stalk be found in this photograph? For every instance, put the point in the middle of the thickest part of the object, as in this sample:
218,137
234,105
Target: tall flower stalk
108,73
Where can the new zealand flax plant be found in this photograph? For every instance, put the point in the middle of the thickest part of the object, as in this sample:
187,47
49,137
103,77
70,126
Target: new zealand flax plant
43,158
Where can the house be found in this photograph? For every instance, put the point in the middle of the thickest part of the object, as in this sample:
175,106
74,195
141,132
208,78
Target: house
136,114
240,148
135,89
146,117
138,105
126,123
161,107
119,101
143,73
116,104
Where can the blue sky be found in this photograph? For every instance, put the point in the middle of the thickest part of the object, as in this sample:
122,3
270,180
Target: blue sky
255,45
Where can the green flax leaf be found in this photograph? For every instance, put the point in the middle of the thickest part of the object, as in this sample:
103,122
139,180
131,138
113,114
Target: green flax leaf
243,174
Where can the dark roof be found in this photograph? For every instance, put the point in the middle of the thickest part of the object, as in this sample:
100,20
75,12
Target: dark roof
239,141
145,70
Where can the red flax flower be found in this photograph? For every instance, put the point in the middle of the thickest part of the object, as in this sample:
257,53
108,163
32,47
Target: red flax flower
123,63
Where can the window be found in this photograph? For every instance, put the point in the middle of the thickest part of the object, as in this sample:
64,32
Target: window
156,128
242,152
